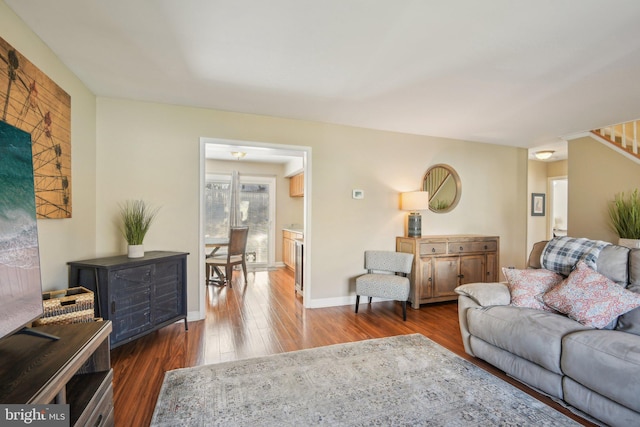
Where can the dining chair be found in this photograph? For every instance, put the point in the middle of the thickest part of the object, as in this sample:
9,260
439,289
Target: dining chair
386,277
236,255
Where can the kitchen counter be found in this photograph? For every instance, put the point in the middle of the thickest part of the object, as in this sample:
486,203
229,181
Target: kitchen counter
299,230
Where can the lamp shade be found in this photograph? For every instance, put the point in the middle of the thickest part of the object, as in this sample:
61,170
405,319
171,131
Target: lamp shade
414,201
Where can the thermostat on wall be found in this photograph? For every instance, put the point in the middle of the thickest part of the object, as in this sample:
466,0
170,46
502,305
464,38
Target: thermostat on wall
357,194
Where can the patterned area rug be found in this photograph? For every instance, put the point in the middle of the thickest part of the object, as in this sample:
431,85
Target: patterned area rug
403,380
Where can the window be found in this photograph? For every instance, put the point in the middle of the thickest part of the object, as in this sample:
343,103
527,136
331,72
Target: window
256,208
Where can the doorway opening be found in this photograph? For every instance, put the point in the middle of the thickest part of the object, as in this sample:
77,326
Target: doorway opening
558,206
294,159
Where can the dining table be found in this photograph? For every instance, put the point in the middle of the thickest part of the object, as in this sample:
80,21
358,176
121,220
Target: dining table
214,244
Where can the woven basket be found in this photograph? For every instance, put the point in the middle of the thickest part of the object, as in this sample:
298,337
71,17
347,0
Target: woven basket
73,305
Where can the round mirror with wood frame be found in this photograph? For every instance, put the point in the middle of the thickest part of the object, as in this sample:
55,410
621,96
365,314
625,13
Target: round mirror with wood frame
444,187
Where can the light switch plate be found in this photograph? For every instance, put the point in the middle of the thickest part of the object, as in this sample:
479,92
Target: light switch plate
357,194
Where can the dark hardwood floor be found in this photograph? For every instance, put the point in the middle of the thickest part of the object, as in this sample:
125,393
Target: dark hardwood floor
264,317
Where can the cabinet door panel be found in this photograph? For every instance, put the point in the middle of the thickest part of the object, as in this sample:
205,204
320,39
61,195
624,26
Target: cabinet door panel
445,276
472,269
130,323
167,289
491,274
425,286
130,301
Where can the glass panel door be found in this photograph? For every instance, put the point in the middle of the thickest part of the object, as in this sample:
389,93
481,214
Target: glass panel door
256,208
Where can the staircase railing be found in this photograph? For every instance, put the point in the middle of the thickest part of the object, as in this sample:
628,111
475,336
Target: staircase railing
623,135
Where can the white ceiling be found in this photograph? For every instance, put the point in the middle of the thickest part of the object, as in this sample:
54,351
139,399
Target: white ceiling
219,149
521,73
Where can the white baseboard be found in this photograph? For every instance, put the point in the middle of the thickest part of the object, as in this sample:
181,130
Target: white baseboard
193,316
339,301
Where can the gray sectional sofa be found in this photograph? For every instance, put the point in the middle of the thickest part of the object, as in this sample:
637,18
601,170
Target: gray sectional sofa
594,370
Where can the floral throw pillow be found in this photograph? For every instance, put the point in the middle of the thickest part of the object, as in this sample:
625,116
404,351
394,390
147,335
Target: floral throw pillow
528,286
591,298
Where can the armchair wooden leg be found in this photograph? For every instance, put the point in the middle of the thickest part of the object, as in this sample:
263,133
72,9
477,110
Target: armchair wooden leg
357,302
404,311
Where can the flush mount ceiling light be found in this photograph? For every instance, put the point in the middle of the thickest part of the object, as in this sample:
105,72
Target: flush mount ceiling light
238,154
544,154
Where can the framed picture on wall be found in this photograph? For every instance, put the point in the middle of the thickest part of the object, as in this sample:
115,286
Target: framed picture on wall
537,204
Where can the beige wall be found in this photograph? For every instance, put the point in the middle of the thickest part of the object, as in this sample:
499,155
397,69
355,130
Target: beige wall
289,210
597,173
152,151
123,149
559,168
63,240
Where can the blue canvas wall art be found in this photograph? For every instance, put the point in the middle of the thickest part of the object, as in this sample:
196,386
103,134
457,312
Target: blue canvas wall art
20,281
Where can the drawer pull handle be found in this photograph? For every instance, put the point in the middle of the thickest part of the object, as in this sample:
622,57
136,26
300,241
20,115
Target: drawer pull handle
98,421
461,249
433,249
460,276
486,247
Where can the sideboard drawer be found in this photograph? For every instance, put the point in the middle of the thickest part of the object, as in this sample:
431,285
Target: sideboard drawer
433,248
468,247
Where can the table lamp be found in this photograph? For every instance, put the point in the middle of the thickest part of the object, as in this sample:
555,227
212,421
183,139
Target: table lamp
414,201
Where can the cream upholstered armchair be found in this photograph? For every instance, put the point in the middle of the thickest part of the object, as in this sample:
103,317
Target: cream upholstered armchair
386,277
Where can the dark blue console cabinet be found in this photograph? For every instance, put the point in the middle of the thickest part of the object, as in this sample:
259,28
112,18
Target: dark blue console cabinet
138,295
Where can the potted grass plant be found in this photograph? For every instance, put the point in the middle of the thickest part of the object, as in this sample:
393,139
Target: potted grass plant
136,217
624,213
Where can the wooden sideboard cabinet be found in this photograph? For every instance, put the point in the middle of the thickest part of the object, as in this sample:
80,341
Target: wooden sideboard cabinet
74,370
138,295
442,263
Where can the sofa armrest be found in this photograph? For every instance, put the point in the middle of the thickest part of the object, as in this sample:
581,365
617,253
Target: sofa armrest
476,296
486,294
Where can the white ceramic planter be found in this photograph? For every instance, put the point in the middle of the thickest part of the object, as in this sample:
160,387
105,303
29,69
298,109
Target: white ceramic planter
136,251
629,243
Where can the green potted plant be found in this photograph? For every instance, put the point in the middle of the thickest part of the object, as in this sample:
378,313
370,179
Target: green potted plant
136,217
624,213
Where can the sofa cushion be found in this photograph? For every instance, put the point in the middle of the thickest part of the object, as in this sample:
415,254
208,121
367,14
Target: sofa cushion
613,263
534,335
630,322
591,298
607,362
527,286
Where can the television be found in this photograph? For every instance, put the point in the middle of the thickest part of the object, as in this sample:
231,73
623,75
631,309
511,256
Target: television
20,280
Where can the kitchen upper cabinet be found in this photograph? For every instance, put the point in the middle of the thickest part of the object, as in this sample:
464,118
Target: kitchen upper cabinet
296,185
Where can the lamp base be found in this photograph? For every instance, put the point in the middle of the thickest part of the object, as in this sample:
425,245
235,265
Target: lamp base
414,228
